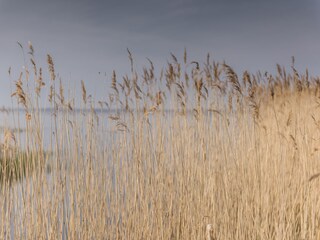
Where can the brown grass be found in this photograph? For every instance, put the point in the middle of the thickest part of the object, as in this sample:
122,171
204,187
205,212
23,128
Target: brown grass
233,158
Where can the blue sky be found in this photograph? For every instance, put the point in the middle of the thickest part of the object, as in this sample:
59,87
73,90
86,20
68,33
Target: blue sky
86,37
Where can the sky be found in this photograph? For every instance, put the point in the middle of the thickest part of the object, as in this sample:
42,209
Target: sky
86,37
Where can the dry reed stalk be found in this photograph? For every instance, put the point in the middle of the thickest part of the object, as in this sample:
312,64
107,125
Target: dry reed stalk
51,67
209,232
84,92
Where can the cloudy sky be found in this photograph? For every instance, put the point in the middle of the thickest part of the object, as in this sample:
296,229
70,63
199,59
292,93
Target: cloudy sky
86,37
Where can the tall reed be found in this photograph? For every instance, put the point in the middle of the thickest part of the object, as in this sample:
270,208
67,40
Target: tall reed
198,152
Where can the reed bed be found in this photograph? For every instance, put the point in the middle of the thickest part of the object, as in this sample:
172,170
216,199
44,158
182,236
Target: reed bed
194,152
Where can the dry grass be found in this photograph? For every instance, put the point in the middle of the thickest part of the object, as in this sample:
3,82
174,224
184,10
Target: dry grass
234,158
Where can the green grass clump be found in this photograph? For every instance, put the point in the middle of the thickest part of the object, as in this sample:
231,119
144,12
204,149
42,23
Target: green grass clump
15,165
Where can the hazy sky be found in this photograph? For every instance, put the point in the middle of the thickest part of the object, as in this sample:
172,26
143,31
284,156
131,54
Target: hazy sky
90,36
